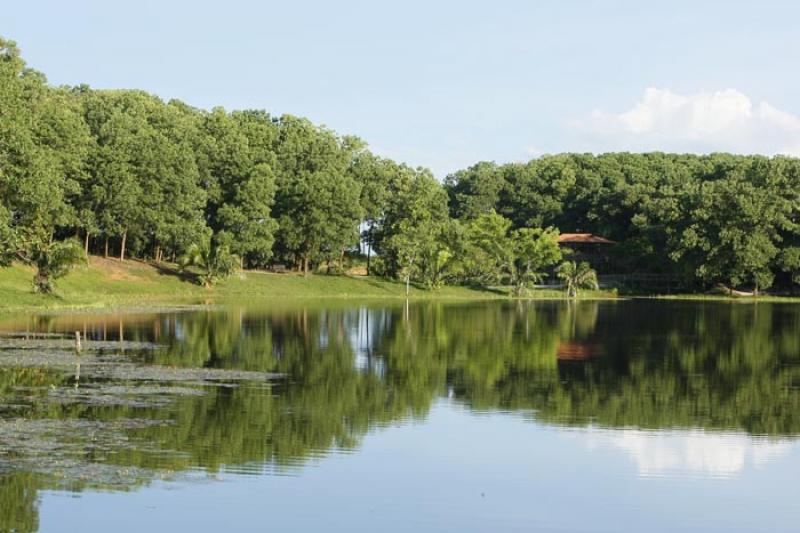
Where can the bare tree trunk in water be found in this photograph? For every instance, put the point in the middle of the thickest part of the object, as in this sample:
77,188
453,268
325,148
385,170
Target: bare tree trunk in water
122,248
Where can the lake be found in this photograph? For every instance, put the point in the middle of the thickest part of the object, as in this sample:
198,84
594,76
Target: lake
638,415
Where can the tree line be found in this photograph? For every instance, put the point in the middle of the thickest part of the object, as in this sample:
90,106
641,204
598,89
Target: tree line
707,219
127,174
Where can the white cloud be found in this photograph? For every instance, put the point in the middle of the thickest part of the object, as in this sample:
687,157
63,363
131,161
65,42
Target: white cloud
726,120
692,452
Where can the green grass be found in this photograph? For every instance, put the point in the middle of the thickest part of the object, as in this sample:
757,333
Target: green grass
110,283
101,284
764,298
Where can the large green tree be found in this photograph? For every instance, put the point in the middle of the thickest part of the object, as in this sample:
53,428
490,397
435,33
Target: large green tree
145,184
43,151
411,237
317,201
239,168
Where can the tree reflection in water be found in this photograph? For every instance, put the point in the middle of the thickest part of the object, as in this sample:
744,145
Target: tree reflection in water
649,365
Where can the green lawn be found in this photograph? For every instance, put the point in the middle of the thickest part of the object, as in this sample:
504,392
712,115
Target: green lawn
713,297
110,283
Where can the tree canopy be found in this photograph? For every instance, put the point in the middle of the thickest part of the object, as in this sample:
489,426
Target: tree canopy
133,175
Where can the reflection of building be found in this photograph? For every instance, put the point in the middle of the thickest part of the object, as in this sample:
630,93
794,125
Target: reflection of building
590,248
577,351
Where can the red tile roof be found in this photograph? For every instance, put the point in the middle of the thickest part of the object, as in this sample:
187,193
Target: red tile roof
583,238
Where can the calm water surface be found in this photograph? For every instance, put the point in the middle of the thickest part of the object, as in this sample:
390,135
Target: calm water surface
497,416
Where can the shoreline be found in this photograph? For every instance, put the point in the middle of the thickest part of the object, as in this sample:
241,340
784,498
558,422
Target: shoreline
111,285
168,303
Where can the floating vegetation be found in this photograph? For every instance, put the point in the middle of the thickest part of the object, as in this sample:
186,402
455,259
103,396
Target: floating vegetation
108,360
75,452
55,401
120,395
56,341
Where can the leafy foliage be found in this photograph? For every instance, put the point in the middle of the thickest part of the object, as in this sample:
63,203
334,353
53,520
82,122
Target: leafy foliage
215,262
52,260
576,276
137,176
705,219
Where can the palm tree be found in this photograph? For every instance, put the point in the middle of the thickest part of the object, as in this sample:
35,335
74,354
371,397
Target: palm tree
215,262
577,276
53,260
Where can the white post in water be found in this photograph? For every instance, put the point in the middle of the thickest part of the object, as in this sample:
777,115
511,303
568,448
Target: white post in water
78,341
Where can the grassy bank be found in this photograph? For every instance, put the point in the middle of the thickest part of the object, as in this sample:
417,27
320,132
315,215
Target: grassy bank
111,283
715,297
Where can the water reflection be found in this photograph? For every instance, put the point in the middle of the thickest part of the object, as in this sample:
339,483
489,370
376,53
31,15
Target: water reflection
679,387
690,453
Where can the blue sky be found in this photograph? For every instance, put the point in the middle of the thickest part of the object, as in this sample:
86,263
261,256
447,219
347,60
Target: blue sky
445,84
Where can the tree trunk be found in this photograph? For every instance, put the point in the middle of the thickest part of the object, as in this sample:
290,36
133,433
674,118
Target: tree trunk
42,282
341,261
157,255
122,248
86,244
105,253
305,265
369,246
408,282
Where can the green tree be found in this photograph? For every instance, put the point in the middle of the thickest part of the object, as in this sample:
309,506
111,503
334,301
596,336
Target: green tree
412,236
576,276
52,260
145,186
489,253
317,201
42,154
734,233
534,250
239,164
215,262
474,191
378,177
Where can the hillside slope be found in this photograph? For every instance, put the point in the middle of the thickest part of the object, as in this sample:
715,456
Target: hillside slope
109,282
